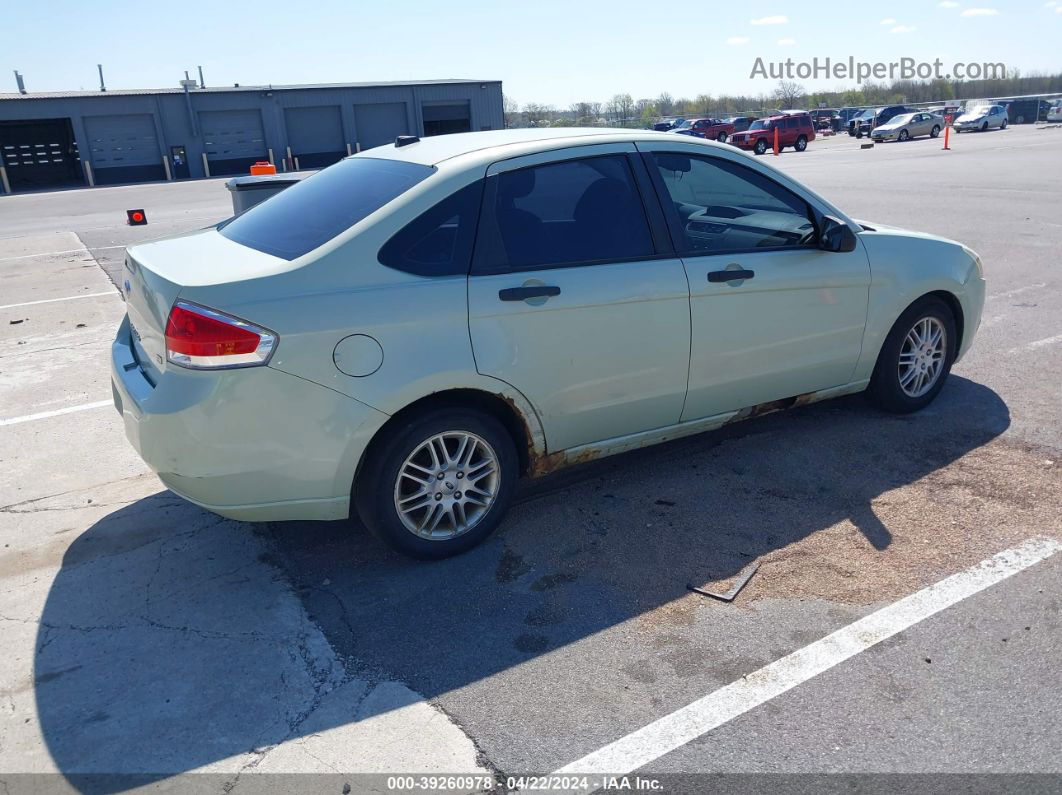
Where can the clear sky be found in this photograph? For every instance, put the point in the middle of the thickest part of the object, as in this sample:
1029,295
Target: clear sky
549,51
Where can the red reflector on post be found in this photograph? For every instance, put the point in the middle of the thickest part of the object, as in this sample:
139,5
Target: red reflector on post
136,217
203,338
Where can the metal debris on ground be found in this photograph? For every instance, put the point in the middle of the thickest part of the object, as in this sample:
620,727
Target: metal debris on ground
728,596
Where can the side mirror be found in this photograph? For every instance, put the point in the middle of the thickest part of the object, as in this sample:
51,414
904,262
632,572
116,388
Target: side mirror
836,235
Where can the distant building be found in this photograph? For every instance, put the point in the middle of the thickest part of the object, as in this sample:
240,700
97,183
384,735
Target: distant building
54,139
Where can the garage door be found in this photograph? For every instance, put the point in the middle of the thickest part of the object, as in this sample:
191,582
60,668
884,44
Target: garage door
440,119
380,123
315,135
39,154
233,140
124,148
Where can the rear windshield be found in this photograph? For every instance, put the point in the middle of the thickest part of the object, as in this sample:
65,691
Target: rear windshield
312,212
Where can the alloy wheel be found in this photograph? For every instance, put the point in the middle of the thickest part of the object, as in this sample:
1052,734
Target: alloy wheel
447,485
922,356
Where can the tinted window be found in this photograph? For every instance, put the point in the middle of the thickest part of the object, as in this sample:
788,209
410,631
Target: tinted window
721,206
577,211
438,242
312,212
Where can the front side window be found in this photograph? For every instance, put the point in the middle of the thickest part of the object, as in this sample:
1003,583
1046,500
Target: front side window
567,213
320,207
439,241
720,207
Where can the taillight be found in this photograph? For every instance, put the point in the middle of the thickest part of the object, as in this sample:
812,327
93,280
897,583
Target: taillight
202,339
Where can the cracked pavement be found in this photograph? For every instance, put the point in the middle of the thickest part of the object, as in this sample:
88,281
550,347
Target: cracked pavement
143,637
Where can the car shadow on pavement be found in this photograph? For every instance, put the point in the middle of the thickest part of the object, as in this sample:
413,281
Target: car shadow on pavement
170,640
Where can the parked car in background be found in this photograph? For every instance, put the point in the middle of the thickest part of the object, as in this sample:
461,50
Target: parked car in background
795,130
866,121
339,350
741,123
711,129
826,119
847,113
908,125
667,124
981,118
1054,113
1025,111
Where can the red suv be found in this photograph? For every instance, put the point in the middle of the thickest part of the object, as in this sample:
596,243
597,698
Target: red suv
794,129
712,129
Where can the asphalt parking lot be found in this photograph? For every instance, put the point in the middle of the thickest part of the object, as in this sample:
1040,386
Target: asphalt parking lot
146,638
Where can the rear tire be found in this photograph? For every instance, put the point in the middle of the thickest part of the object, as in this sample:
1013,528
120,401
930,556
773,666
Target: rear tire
396,470
721,138
899,358
801,143
1003,124
935,131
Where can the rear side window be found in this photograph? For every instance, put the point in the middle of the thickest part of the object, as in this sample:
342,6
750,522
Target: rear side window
568,213
312,212
439,241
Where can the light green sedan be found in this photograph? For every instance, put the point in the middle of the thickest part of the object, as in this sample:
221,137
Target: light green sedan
907,126
406,333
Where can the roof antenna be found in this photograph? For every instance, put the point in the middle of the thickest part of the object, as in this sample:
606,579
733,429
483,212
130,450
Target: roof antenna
102,86
21,84
201,83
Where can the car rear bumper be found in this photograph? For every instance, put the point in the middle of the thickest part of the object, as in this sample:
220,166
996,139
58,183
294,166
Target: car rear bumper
255,443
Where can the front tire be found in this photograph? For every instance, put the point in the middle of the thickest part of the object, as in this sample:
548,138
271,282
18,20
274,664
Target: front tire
904,135
761,146
916,358
439,483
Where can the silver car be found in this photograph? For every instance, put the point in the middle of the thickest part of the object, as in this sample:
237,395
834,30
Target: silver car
909,125
982,118
404,334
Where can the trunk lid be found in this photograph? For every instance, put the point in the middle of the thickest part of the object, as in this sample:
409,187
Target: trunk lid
154,275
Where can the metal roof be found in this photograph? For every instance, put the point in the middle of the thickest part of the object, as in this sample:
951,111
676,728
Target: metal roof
123,92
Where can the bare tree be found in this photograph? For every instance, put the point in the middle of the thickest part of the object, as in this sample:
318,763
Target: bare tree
788,93
511,111
665,104
537,115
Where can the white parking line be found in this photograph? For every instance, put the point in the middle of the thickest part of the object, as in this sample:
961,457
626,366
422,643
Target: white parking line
57,412
57,253
66,298
1018,291
1029,346
662,736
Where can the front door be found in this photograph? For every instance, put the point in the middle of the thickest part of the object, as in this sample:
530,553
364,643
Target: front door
571,302
773,316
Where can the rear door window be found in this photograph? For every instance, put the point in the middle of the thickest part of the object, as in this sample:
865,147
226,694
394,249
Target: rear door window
320,207
568,213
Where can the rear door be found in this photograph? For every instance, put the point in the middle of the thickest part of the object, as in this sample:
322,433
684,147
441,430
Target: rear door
575,299
791,319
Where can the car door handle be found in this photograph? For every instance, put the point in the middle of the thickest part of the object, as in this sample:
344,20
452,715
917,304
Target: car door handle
730,276
523,293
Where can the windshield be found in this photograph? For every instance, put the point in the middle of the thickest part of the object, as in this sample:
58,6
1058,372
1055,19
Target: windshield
312,212
868,114
903,118
760,124
976,110
682,125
